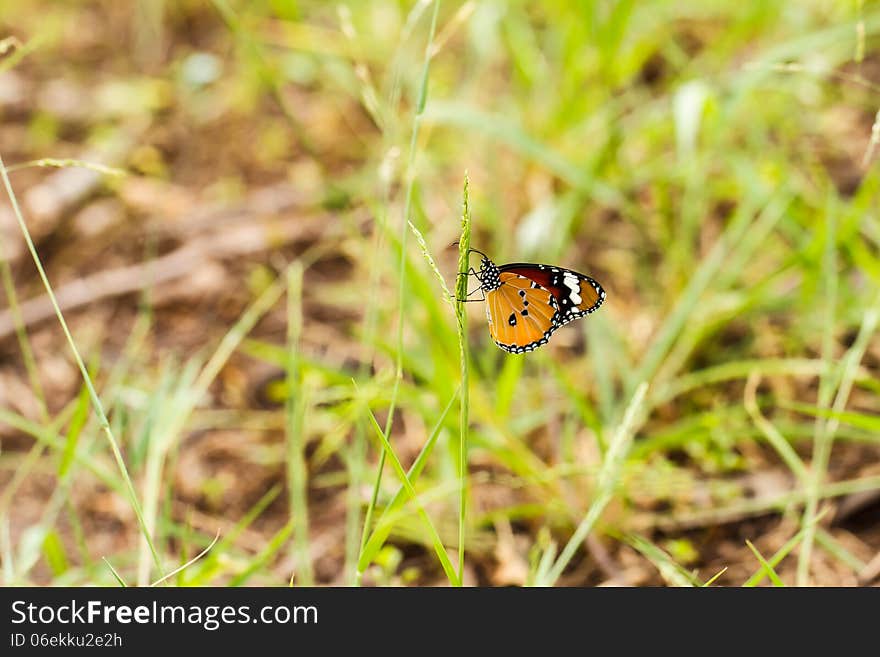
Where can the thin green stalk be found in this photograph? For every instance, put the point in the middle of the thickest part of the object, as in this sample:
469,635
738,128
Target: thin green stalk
766,567
49,436
259,561
742,369
609,475
401,290
190,392
27,353
189,562
771,433
357,462
835,548
780,554
384,525
13,50
701,280
760,506
268,76
30,366
116,575
56,163
356,454
93,395
821,444
709,582
672,572
829,428
464,245
439,548
296,441
355,534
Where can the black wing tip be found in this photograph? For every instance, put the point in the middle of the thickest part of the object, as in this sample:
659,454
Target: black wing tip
521,349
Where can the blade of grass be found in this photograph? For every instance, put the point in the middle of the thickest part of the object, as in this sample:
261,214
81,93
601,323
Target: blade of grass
77,423
268,74
24,344
464,245
165,408
609,475
189,563
852,418
821,443
55,554
699,282
401,273
828,430
833,547
759,507
765,567
671,571
548,557
667,391
55,163
780,554
13,51
49,437
714,577
776,439
383,528
439,548
116,575
295,406
208,566
259,561
93,395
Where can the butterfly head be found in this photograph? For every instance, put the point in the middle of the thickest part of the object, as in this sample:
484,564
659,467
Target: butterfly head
489,274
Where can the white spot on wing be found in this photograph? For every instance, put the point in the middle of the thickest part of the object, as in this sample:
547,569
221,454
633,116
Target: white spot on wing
573,283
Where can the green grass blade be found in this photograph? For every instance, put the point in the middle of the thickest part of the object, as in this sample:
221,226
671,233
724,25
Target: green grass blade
609,476
93,395
852,418
767,568
671,571
295,410
77,422
439,548
776,439
826,435
464,245
709,582
401,273
383,528
259,561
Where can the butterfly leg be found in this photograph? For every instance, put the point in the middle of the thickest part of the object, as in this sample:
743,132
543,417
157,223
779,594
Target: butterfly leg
479,289
470,272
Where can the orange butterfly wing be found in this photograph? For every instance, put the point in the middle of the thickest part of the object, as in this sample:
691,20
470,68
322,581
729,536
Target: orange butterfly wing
577,294
521,313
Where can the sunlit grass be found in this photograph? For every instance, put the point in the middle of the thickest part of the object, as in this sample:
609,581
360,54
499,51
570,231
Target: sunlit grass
700,169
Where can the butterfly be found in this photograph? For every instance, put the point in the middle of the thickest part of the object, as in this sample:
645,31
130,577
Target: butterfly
526,303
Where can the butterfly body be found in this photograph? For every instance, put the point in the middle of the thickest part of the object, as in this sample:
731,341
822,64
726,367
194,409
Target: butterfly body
526,302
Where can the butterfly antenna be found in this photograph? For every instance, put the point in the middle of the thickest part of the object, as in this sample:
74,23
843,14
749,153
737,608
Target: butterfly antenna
456,242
